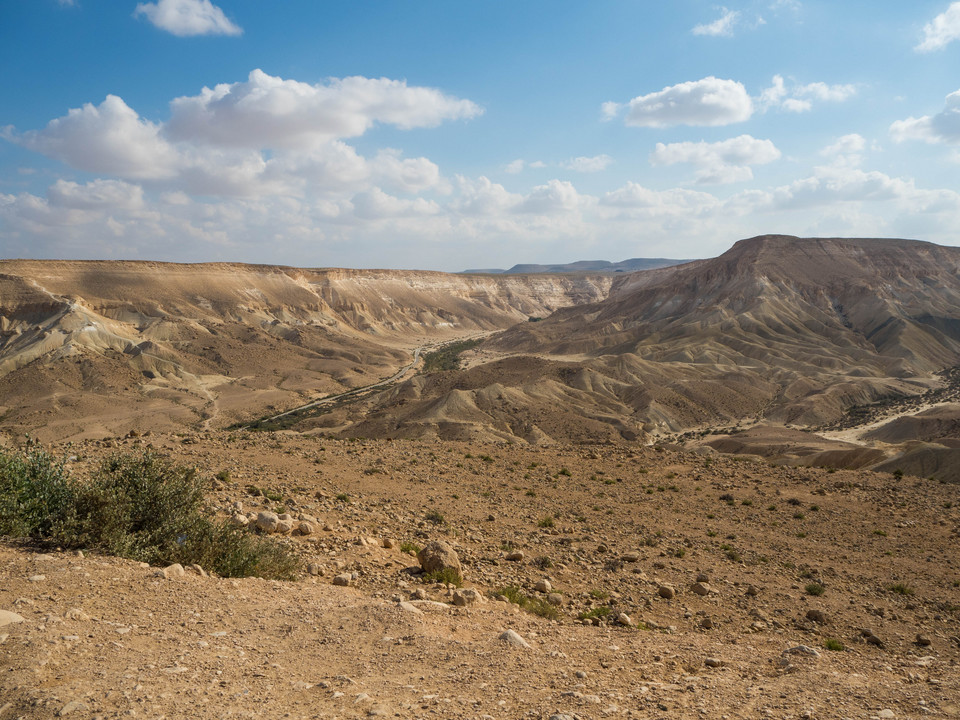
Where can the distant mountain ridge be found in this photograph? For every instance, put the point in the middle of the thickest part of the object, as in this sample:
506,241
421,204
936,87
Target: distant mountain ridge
592,266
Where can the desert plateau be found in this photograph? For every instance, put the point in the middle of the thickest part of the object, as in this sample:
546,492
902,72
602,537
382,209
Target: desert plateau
722,488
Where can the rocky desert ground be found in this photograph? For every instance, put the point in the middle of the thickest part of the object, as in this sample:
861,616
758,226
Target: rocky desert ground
723,489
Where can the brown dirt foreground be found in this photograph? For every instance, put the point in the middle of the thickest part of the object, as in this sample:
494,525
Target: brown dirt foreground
608,526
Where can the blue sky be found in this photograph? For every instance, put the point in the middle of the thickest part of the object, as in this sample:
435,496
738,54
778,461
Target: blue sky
444,135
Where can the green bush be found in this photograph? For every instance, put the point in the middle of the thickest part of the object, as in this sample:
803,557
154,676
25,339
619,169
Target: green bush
534,605
134,506
447,576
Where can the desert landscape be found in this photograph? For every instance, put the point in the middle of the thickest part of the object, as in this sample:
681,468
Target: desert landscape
717,488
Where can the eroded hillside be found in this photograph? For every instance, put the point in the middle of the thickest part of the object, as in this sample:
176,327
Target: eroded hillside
86,347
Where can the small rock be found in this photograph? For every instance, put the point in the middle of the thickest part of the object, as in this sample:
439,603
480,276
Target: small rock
240,520
173,571
666,592
76,614
706,623
543,586
555,599
631,556
624,619
512,638
8,618
379,711
467,596
418,594
70,707
314,569
267,522
702,588
389,543
923,640
306,528
703,578
437,556
410,608
515,556
343,579
802,650
714,662
886,714
817,616
753,590
37,578
284,526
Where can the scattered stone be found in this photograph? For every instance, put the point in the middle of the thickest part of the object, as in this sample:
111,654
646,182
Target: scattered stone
805,650
753,590
267,522
306,528
512,638
37,578
706,623
343,579
8,618
702,588
379,711
543,586
467,596
240,520
285,526
76,614
923,640
389,543
173,571
515,556
703,578
314,569
555,599
714,662
437,556
666,592
869,637
817,616
418,594
886,714
624,619
410,608
71,707
631,556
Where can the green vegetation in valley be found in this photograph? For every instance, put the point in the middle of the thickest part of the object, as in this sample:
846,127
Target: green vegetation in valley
447,357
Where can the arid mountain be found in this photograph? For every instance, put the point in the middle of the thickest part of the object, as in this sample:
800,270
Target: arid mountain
592,266
89,347
778,328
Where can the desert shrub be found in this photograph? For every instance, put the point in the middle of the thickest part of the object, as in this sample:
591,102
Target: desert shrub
409,548
134,506
546,522
435,517
833,644
814,588
447,576
535,605
901,589
597,612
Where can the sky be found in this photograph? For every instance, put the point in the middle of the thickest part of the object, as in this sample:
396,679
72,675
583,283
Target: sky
429,134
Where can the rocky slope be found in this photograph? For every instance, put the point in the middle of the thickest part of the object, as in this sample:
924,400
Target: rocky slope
778,329
181,344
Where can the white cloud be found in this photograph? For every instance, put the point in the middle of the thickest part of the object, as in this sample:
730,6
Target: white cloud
555,196
721,27
515,167
108,138
185,18
846,145
721,162
710,101
942,30
110,194
267,111
375,204
944,127
593,164
826,93
67,3
798,98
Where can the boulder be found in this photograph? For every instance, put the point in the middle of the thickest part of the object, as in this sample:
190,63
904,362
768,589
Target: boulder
437,556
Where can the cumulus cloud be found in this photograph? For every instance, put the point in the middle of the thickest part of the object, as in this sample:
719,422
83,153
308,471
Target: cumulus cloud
721,27
721,162
588,164
846,150
107,138
799,98
515,167
710,101
555,196
944,127
267,111
942,30
185,18
97,194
